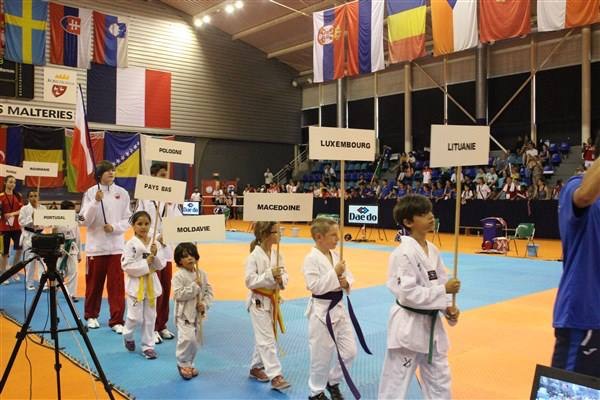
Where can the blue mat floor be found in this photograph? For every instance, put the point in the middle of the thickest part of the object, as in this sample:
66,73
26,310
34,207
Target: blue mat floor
223,362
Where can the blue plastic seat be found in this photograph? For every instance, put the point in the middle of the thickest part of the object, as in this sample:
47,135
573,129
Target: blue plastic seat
555,159
553,148
564,148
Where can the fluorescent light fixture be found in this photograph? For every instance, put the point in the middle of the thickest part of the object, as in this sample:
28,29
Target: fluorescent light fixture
229,8
239,4
198,22
206,19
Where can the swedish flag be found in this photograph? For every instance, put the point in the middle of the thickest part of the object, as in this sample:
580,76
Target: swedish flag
25,31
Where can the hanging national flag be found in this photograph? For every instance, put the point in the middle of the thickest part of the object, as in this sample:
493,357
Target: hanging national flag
81,153
503,19
110,40
328,44
25,30
11,146
70,36
364,21
2,37
129,96
74,184
553,15
406,29
123,150
45,145
454,24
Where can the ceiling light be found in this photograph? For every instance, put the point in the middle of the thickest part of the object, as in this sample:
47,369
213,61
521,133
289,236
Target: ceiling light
239,4
198,22
229,8
206,19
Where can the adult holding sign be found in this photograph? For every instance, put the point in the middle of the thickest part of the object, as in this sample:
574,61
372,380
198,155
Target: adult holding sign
105,211
158,211
10,204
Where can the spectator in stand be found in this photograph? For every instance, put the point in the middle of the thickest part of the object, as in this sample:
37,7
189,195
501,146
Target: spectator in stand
510,189
480,174
401,174
411,158
588,153
467,194
530,153
438,193
514,173
500,164
401,190
268,177
453,177
426,191
519,145
482,190
329,174
427,175
334,192
403,158
317,191
196,195
354,194
409,172
537,170
219,195
556,189
514,159
544,155
448,189
417,188
491,178
541,190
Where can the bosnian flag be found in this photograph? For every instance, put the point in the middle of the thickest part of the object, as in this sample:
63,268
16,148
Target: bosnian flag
70,36
129,96
81,155
364,20
553,15
328,44
110,40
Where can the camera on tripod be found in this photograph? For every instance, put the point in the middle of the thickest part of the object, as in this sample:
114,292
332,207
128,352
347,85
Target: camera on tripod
47,244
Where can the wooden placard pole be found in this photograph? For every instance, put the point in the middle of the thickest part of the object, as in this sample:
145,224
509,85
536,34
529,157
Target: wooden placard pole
342,206
457,226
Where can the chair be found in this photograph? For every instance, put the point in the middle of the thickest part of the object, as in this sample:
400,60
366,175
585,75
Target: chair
436,231
564,148
553,148
525,230
555,159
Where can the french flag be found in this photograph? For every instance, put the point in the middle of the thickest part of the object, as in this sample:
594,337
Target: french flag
70,36
129,96
110,44
328,44
364,20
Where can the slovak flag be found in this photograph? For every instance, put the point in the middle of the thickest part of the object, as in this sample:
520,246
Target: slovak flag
70,36
364,20
328,44
110,44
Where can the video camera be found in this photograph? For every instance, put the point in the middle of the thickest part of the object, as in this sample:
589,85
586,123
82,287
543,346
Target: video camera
47,244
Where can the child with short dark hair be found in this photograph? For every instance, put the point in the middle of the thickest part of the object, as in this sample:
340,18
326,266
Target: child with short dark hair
417,278
29,230
140,261
192,295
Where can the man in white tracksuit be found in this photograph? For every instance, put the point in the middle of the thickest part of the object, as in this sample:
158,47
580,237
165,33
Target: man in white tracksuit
29,230
416,337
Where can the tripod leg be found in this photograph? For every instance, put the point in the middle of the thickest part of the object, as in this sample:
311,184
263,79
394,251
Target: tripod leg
54,331
86,339
22,333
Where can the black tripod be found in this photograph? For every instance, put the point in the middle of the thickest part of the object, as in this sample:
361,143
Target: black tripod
54,279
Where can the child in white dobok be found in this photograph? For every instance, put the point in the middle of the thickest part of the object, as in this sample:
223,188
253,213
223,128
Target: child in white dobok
416,337
68,262
33,269
192,295
140,261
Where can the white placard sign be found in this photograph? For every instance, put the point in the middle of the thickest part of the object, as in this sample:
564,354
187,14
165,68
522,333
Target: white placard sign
43,217
169,151
17,172
278,206
159,189
194,229
341,144
60,85
45,169
454,145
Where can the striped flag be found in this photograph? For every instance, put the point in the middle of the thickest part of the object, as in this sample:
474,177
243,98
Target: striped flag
364,21
129,96
503,19
328,44
454,24
406,29
553,15
110,40
70,36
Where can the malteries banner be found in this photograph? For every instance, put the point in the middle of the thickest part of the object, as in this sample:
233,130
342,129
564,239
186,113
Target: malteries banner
110,40
123,150
503,19
553,15
45,145
70,36
454,25
25,31
75,184
406,29
129,96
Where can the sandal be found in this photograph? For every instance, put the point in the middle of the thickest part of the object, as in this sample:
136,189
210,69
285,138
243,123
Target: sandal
185,372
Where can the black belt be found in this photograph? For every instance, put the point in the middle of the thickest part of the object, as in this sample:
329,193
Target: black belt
335,297
28,229
433,314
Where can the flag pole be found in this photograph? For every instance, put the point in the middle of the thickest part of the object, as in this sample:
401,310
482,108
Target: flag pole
342,207
88,140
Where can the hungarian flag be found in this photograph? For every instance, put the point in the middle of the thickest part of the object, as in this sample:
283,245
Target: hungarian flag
45,145
503,19
75,182
129,96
